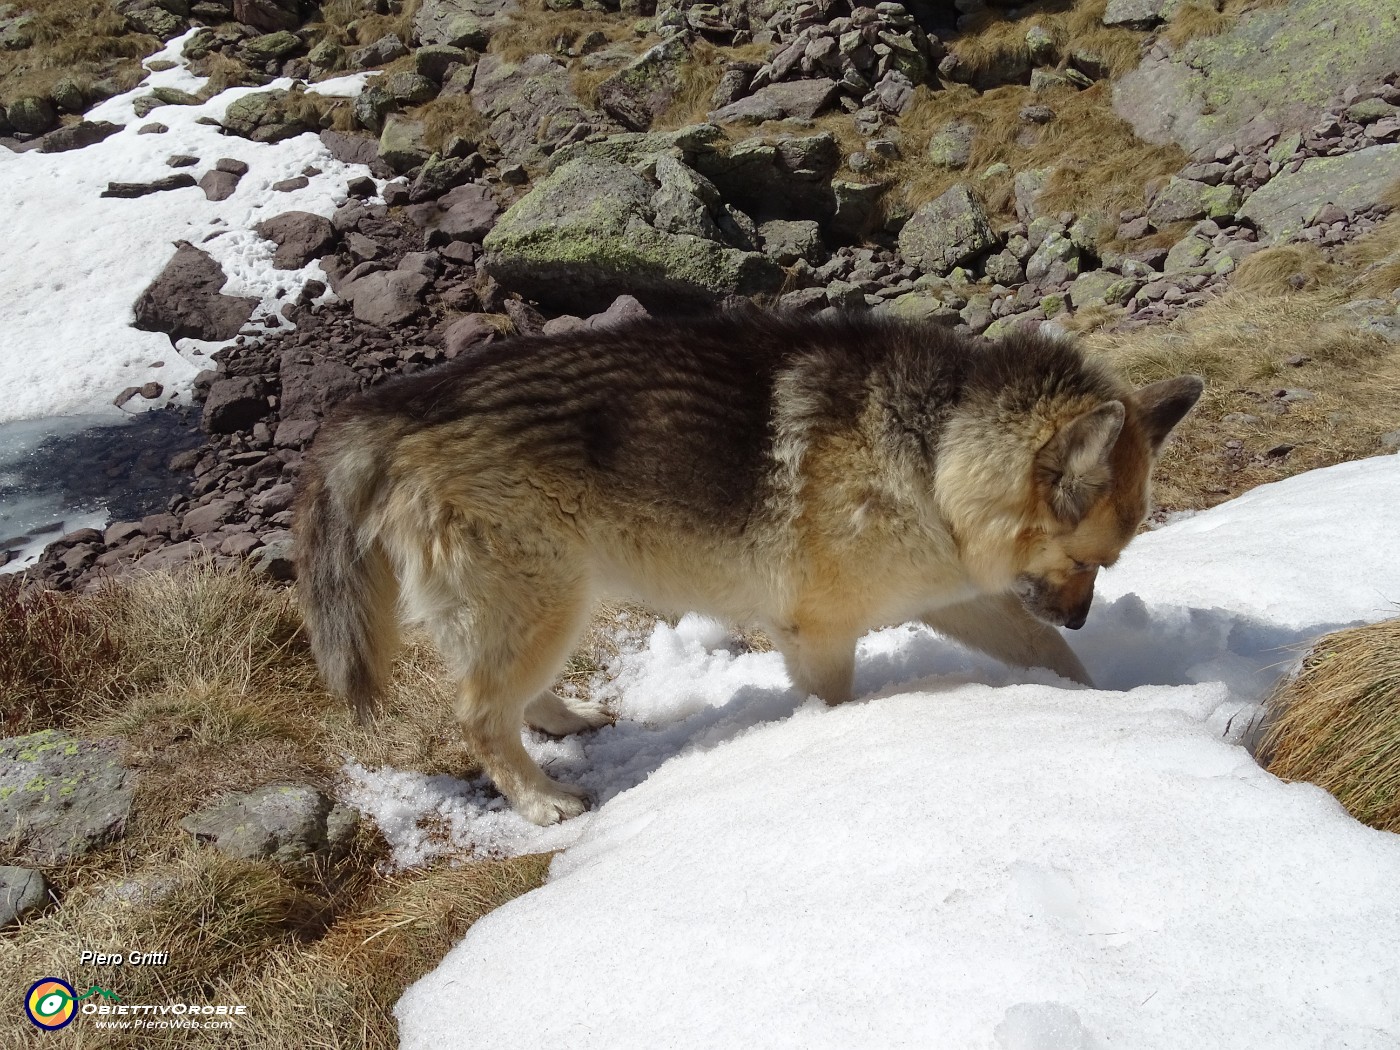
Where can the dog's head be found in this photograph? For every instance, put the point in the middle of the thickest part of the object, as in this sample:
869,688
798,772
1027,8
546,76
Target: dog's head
1090,481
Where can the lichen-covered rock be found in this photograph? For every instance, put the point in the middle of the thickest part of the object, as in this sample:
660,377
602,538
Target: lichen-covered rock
951,146
401,144
1279,63
779,178
32,114
1101,288
61,797
1134,14
803,99
787,240
271,46
641,91
270,116
286,823
947,231
463,23
1352,181
531,107
586,234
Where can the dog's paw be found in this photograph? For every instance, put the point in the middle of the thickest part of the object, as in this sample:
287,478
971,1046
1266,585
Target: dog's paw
557,716
552,804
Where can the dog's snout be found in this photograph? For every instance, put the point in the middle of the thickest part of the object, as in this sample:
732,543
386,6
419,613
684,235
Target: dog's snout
1076,619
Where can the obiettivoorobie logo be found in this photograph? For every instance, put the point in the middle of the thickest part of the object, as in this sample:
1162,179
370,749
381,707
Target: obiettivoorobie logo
52,1003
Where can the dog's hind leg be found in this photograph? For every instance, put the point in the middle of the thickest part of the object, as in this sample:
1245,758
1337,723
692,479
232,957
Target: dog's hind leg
1001,627
506,652
820,661
551,713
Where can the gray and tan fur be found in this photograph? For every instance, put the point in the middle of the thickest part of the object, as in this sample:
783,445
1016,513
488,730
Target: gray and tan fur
817,478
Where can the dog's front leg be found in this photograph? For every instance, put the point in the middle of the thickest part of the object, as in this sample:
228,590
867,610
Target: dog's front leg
820,661
1001,627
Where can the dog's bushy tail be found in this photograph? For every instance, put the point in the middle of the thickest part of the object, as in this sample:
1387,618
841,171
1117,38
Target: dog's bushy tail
348,590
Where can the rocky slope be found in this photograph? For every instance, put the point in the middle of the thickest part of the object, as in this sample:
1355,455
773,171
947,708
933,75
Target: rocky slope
750,150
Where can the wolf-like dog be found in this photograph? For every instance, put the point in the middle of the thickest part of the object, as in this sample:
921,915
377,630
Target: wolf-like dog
816,477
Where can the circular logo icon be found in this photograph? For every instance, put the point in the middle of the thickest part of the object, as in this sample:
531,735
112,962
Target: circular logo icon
50,1003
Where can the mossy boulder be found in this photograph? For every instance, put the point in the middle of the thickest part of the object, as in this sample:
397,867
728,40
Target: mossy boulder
585,235
271,116
948,231
637,94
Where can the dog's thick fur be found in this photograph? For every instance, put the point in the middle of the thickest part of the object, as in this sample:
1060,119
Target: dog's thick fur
816,477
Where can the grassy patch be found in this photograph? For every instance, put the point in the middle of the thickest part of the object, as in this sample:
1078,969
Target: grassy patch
1337,722
82,40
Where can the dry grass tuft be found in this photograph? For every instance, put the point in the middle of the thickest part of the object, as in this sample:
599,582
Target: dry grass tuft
994,39
85,40
449,115
352,23
538,30
1337,723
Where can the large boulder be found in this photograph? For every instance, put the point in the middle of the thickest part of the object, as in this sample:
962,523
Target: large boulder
1278,64
781,178
587,234
388,297
61,797
268,15
531,107
463,23
1352,181
947,231
803,99
185,301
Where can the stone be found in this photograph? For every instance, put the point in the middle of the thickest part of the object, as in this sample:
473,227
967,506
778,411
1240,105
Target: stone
438,175
1134,14
409,88
1101,288
401,144
466,332
947,232
132,190
584,235
271,47
23,892
300,236
270,116
326,55
234,403
1004,268
285,823
185,300
380,53
1055,249
311,388
1186,254
218,185
389,297
208,517
296,182
1280,64
530,107
371,106
275,559
1353,182
470,213
787,240
463,23
77,136
1181,200
60,796
268,15
803,99
1027,187
951,146
641,91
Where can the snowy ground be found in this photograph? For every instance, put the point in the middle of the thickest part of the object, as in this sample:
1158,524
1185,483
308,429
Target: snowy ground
969,857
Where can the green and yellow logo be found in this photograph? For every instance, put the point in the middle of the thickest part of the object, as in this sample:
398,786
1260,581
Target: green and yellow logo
52,1003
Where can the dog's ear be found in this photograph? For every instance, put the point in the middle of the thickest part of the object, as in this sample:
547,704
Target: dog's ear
1161,406
1073,467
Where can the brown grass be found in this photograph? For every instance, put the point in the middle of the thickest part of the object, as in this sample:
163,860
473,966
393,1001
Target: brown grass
538,30
1337,722
206,678
449,115
1098,163
352,24
993,39
82,39
1240,343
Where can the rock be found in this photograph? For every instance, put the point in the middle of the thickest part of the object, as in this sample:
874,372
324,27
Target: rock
947,232
132,190
1055,249
1101,288
31,114
371,107
286,823
951,147
268,15
1027,186
401,143
733,83
1186,254
145,16
1353,182
297,182
274,559
300,236
61,797
466,332
76,136
584,235
640,92
311,388
1280,63
470,213
389,297
270,116
1134,14
326,55
208,517
797,98
234,403
380,53
787,240
409,88
463,23
531,107
438,175
185,300
857,208
23,892
218,185
165,558
1004,268
271,47
1181,200
232,166
436,60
